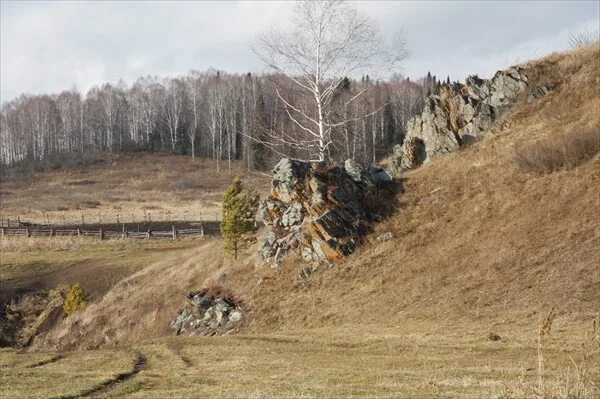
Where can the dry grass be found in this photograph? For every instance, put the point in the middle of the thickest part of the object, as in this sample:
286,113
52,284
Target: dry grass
32,244
565,151
41,263
479,247
67,376
142,306
331,362
132,186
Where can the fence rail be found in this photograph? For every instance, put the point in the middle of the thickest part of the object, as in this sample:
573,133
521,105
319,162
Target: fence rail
109,218
174,233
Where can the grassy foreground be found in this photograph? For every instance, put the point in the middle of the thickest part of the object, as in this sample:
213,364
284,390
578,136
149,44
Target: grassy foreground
43,263
334,363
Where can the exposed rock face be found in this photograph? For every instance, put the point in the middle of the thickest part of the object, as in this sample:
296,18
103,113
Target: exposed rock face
317,209
459,115
207,314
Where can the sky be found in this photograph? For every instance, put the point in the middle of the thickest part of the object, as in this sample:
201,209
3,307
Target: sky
49,46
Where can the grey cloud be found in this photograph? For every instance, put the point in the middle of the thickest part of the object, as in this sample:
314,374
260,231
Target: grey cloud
50,46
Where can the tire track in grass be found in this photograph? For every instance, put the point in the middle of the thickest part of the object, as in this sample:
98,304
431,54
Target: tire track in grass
44,362
109,384
176,350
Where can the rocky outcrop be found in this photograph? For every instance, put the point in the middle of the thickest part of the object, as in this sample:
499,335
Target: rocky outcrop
459,115
207,313
317,209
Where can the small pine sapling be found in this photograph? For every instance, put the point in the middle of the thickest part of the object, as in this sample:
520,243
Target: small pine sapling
239,209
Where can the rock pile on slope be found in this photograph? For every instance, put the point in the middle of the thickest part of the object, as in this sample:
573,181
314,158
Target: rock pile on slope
459,115
319,210
207,313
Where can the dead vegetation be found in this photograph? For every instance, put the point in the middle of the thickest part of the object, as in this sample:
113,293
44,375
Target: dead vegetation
561,152
128,187
477,246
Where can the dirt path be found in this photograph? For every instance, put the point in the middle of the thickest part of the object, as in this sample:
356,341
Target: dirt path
108,385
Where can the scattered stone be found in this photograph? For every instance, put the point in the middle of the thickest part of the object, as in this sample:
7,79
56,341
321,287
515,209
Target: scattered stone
305,272
385,236
235,316
494,337
209,312
538,91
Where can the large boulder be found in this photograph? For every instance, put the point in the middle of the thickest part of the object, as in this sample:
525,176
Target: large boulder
317,209
460,115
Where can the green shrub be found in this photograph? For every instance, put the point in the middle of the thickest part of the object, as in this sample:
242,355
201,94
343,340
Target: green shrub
75,300
239,209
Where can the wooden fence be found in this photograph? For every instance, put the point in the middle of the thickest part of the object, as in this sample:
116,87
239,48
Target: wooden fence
102,234
104,218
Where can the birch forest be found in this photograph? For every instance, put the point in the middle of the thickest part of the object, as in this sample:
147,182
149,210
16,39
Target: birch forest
210,115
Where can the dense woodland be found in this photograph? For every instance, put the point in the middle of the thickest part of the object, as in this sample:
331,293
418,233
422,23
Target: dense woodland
211,115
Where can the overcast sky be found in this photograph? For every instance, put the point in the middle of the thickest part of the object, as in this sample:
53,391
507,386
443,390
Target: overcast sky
49,46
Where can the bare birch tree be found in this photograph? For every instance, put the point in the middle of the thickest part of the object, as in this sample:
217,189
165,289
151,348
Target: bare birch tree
329,41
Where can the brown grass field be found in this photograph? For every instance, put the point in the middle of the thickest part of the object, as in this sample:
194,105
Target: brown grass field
131,186
483,248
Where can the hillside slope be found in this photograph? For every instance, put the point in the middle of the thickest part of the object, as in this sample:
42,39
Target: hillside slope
479,244
476,238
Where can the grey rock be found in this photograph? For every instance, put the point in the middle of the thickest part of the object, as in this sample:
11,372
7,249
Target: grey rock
278,256
305,272
354,169
477,105
538,91
221,306
205,315
307,254
286,175
235,316
320,209
383,177
385,236
294,214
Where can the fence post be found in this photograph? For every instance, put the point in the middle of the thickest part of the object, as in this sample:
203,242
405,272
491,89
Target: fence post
82,220
148,235
28,232
101,234
51,231
18,221
123,232
78,232
202,230
3,230
174,232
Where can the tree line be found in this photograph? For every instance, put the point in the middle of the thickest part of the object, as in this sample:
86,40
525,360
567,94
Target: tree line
212,115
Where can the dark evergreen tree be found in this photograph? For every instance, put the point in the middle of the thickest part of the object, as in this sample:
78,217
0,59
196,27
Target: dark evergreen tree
261,154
